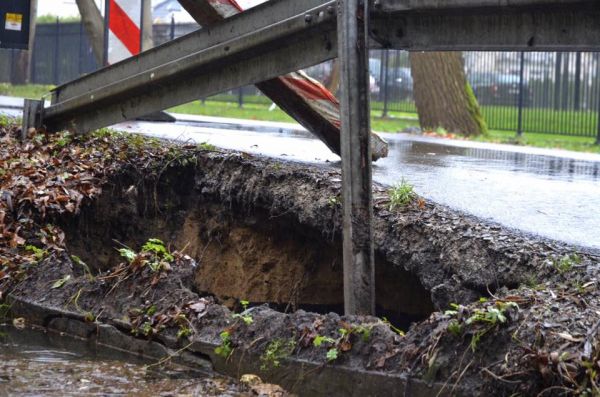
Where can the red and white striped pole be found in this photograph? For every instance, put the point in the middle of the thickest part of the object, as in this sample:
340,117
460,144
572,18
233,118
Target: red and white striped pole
123,21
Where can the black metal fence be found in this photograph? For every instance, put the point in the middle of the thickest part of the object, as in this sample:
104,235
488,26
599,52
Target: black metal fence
524,92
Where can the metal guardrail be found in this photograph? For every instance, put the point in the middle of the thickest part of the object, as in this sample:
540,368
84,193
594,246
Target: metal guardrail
284,35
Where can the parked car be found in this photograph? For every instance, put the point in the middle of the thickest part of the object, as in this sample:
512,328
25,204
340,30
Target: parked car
399,83
499,89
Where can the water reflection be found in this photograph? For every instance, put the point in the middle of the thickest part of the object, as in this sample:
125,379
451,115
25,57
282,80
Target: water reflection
33,363
436,155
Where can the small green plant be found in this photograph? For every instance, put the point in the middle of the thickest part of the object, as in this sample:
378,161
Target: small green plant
319,340
61,282
401,195
332,354
184,332
455,328
64,139
154,254
207,146
225,348
157,247
364,332
4,121
128,254
38,253
566,263
392,327
334,201
245,317
86,269
276,351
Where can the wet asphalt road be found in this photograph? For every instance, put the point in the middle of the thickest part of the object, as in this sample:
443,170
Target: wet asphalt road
552,193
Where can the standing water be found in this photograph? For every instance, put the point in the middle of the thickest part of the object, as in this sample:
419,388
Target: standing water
34,363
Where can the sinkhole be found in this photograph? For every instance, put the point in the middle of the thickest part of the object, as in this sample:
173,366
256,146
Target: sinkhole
242,253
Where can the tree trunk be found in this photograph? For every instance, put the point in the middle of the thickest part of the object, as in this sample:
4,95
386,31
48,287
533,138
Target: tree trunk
22,70
94,26
443,97
147,41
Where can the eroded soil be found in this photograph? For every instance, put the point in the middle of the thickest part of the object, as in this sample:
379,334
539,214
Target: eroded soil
496,312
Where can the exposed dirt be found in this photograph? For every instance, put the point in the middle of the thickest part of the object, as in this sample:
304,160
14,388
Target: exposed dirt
241,227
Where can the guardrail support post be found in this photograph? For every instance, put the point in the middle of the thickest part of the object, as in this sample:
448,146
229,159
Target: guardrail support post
32,116
359,263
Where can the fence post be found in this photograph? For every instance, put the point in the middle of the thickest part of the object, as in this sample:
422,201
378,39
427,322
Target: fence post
56,52
386,75
577,93
241,97
598,98
172,33
557,80
80,59
358,256
106,30
521,94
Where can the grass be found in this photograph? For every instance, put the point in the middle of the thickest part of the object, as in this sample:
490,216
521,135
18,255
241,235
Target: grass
259,111
552,141
401,195
31,91
257,108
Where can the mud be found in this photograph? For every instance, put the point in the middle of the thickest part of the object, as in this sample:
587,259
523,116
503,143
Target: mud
266,231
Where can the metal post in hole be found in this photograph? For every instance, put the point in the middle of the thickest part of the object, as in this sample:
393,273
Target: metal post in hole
106,30
359,263
32,116
521,94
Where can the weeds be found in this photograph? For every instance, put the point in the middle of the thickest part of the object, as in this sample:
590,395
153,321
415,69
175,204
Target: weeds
276,351
207,147
225,348
401,195
245,317
334,201
38,253
566,263
343,342
153,254
392,327
481,321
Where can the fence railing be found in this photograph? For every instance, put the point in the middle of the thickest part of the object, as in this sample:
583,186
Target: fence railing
556,93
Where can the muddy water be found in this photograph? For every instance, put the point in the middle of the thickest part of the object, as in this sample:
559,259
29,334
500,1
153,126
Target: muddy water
33,363
552,193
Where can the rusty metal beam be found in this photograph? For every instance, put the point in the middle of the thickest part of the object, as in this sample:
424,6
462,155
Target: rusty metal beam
359,262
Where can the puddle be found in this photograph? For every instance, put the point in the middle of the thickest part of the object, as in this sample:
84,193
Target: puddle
34,363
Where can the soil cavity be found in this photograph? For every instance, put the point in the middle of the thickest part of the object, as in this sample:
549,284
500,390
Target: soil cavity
241,255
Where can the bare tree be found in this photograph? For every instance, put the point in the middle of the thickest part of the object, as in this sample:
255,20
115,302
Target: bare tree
443,97
94,27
